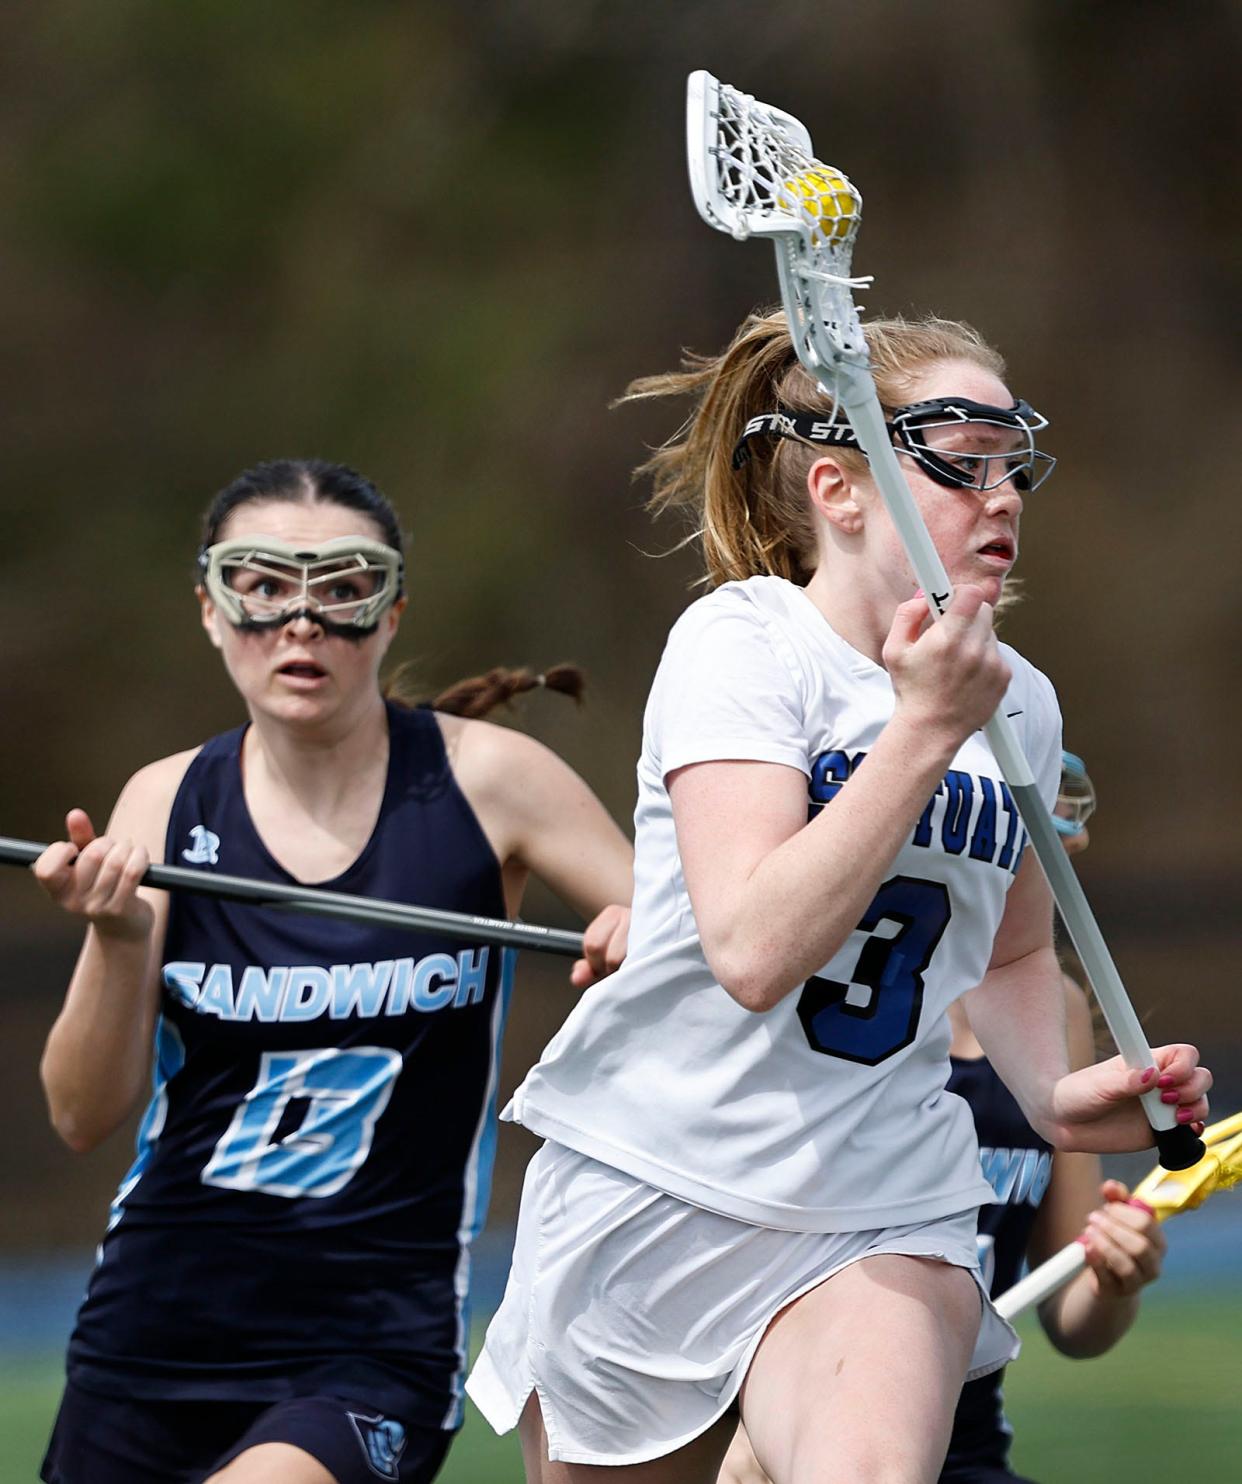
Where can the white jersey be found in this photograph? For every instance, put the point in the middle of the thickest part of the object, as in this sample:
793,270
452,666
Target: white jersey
829,1111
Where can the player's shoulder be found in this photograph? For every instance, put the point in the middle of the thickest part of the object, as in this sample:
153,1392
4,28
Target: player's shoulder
159,781
754,600
144,804
1024,671
1031,682
487,757
736,624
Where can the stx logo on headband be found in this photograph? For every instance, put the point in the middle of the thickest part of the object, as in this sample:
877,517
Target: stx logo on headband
798,425
792,425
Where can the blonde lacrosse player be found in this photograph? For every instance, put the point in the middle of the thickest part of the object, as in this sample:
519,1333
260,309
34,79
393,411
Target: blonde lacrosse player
754,1186
281,1294
1041,1201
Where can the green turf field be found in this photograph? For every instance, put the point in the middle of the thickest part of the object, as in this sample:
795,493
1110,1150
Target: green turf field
1163,1403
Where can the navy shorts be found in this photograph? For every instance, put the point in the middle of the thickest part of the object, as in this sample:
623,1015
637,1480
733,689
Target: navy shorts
984,1473
116,1440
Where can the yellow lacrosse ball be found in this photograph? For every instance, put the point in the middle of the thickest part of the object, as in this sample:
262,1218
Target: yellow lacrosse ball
826,198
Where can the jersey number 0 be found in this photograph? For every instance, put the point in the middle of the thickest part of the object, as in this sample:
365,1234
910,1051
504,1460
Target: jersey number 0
344,1091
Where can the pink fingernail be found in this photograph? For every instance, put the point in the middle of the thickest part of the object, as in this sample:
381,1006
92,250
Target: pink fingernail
1169,1097
1184,1115
1165,1081
1142,1205
1147,1075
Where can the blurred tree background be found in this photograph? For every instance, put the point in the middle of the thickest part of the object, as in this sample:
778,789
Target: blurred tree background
435,241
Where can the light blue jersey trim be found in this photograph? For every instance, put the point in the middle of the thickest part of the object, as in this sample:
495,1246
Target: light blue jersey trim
478,1186
168,1061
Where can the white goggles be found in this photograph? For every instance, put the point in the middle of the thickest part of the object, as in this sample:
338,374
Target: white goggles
1075,797
259,582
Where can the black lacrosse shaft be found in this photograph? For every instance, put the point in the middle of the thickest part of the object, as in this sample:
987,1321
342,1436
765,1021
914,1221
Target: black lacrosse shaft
316,903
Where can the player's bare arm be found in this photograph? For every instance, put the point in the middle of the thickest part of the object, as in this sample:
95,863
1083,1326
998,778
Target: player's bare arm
97,1058
541,818
1124,1243
774,896
1018,1014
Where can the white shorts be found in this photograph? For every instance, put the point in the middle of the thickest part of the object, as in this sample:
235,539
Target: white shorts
634,1316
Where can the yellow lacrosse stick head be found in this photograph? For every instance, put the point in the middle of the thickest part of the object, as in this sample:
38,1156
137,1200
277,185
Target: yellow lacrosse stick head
1170,1191
825,199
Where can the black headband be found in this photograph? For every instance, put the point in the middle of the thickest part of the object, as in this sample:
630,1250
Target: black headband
807,427
905,430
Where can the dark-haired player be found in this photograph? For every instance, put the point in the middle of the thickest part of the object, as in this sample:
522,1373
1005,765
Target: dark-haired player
281,1292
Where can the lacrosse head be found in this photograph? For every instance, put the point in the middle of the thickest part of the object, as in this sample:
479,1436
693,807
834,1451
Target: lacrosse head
1170,1191
753,174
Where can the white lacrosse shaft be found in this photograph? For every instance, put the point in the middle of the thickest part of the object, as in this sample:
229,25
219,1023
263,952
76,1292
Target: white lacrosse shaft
1178,1145
1042,1282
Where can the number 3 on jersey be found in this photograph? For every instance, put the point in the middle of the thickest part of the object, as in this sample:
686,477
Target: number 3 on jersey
876,1012
344,1091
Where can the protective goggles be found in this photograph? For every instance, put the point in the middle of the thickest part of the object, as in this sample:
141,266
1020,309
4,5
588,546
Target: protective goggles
957,442
1075,797
345,585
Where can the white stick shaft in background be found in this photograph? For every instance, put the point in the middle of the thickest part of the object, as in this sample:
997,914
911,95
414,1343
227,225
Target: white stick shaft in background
1042,1282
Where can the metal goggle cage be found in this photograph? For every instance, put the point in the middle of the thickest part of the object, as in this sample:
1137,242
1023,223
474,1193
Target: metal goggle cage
951,439
261,582
1075,798
946,455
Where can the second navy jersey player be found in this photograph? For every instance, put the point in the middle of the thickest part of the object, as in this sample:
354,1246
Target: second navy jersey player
1017,1163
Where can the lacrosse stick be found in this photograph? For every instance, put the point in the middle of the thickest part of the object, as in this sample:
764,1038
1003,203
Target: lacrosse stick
753,173
1166,1194
316,903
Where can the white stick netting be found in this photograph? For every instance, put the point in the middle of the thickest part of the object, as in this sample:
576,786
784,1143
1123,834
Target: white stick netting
763,180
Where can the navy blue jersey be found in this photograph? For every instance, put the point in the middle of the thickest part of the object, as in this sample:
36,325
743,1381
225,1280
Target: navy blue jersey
317,1154
1018,1165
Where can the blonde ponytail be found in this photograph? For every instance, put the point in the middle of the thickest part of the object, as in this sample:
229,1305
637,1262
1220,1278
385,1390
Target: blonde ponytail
757,519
